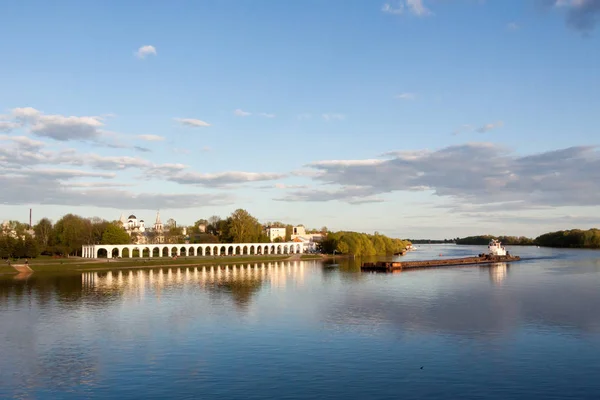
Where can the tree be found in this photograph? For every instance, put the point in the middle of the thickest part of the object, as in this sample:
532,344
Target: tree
196,227
98,227
114,234
242,226
72,232
213,225
43,233
170,223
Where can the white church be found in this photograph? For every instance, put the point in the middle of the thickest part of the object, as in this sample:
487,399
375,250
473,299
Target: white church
142,234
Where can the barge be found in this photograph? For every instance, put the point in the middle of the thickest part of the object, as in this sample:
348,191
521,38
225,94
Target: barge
496,254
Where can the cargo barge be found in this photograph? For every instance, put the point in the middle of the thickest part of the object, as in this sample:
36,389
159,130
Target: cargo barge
497,254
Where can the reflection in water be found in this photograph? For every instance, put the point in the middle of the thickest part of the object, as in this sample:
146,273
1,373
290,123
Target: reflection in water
240,280
298,330
498,272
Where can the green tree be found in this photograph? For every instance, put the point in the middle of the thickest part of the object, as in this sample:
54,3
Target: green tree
43,233
114,234
72,232
243,227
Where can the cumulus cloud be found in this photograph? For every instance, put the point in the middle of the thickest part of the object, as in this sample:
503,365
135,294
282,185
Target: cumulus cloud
145,51
470,174
582,15
23,142
241,113
8,126
58,127
333,117
151,138
192,123
222,178
415,7
34,189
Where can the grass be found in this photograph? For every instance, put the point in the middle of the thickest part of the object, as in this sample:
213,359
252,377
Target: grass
311,257
74,264
5,269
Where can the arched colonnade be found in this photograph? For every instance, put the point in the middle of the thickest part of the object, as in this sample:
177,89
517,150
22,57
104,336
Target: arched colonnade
191,250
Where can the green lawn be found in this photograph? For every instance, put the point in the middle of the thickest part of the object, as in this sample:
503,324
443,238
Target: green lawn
5,269
74,264
311,257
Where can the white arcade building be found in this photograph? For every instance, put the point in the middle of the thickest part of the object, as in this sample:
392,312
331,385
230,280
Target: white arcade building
191,250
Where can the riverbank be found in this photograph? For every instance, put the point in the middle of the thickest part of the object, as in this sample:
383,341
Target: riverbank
75,264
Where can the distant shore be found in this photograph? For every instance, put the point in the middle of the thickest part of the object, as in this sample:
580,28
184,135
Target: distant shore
75,264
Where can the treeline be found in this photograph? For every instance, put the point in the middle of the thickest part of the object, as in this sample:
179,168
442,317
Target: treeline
239,227
65,237
574,238
432,241
71,232
361,244
484,240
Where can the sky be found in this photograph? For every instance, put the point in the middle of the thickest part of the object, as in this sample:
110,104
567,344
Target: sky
413,118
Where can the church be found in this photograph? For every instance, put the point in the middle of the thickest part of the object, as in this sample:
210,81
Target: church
140,234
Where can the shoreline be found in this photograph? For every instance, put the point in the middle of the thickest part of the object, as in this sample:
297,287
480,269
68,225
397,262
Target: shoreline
80,264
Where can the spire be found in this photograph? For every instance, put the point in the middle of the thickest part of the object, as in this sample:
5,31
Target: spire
158,222
122,219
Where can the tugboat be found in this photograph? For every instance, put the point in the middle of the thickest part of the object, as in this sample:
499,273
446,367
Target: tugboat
495,248
496,254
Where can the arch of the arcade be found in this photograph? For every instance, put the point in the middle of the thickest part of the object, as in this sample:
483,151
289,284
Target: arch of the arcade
172,250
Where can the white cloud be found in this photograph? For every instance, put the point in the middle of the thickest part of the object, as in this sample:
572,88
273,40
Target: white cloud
488,127
192,123
406,96
115,162
389,9
332,117
8,126
46,187
222,178
241,113
25,113
415,7
582,15
145,51
267,115
346,163
151,138
474,175
59,127
24,142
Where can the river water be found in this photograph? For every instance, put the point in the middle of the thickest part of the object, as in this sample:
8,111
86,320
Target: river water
306,330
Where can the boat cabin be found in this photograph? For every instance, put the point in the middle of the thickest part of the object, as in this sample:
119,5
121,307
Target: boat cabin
495,248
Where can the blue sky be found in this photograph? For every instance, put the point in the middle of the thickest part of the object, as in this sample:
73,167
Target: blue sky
436,118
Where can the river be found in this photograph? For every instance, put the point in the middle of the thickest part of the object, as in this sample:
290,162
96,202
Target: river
307,330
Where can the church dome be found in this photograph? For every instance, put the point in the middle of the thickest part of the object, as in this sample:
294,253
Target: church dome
141,220
132,216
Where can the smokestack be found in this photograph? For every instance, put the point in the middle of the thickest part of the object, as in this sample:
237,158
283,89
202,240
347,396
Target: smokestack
30,218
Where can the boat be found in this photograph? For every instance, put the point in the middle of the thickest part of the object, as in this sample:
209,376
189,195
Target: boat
496,253
495,248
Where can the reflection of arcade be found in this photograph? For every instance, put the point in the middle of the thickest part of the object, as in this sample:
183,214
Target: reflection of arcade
498,272
241,280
